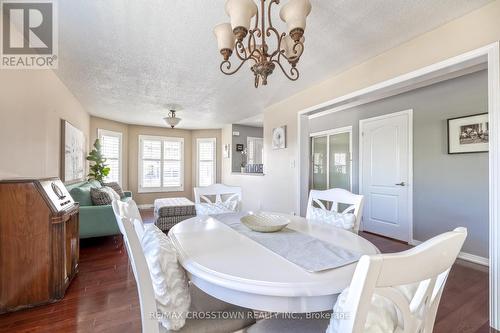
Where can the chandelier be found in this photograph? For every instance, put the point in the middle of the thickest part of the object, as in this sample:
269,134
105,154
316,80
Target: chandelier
172,120
255,49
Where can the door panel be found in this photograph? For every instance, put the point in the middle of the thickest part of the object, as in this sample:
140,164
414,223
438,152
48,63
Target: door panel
319,163
385,175
340,161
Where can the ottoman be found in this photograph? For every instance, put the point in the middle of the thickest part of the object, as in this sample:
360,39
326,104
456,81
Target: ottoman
170,211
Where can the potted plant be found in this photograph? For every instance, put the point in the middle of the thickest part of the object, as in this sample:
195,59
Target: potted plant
98,170
243,163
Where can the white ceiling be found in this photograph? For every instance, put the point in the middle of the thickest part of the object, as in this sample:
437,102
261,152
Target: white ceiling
124,60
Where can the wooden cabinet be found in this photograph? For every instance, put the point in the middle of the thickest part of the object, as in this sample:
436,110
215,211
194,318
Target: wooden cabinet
39,242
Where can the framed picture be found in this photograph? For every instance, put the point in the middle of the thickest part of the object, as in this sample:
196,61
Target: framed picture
227,150
469,134
279,137
72,153
240,147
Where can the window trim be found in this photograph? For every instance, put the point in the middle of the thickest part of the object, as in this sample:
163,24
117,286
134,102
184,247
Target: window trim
141,189
100,133
198,140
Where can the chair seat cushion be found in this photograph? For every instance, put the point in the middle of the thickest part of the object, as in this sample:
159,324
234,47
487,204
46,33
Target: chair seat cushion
383,316
345,221
202,304
299,323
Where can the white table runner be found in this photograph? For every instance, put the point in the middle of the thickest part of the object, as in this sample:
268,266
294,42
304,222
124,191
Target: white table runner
312,254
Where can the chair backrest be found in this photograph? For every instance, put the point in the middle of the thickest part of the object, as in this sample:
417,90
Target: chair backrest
426,265
337,196
126,217
217,190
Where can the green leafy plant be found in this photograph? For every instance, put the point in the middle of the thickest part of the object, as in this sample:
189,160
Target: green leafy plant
98,170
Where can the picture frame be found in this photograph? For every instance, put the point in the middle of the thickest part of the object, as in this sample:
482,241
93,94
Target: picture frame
73,162
279,138
468,134
240,147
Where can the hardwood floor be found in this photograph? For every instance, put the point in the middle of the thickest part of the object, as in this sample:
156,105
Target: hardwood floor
103,296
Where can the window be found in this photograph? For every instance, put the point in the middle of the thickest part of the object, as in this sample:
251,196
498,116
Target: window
111,146
161,164
206,161
255,150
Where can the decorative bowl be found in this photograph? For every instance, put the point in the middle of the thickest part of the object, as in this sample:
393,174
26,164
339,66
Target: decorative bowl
265,222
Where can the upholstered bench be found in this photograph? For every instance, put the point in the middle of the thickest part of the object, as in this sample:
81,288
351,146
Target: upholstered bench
170,211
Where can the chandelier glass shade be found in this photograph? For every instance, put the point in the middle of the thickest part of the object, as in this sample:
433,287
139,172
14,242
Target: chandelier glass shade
172,120
250,43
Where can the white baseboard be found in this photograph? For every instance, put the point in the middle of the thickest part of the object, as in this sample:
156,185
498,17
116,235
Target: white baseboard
145,206
462,255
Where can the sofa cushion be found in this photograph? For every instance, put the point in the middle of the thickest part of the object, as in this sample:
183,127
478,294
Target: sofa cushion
100,197
117,188
81,194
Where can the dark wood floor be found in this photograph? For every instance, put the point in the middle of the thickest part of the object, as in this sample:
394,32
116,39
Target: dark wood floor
103,297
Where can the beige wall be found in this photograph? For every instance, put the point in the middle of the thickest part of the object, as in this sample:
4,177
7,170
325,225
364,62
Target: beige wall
32,104
474,30
131,154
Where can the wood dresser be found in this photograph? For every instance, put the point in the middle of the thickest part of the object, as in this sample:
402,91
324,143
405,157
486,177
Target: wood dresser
39,242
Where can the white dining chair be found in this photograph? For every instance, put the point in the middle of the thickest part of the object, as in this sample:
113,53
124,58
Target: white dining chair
400,291
200,301
337,196
218,195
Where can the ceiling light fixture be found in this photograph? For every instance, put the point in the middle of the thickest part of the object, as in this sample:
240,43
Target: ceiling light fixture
289,46
172,120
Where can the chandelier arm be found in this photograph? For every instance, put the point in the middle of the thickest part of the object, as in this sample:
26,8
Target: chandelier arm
279,40
241,52
263,26
225,66
252,46
277,2
294,72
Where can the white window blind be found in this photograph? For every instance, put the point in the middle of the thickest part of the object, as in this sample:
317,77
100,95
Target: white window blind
111,147
161,164
206,161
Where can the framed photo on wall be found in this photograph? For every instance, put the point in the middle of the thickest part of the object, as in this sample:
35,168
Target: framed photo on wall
469,134
72,153
279,137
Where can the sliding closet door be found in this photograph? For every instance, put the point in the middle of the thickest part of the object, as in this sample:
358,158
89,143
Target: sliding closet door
340,161
331,160
319,163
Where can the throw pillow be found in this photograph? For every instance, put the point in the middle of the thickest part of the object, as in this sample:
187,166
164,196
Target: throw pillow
112,193
100,197
170,283
118,189
344,221
206,208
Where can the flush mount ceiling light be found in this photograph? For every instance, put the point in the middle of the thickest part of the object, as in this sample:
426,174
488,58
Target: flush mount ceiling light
289,47
172,120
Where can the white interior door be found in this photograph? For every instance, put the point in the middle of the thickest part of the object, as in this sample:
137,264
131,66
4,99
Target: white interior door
386,177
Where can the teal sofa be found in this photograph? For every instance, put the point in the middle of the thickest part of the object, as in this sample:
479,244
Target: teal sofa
95,221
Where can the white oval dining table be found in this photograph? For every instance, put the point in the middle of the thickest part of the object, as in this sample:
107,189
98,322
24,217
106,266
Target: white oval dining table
234,268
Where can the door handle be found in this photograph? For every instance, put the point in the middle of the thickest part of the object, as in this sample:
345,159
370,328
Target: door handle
401,184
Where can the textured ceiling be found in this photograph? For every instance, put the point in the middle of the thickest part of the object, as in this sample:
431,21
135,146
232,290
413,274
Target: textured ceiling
124,60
